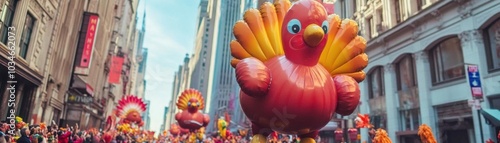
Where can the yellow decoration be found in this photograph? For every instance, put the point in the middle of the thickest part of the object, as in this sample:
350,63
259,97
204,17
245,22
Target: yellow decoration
222,126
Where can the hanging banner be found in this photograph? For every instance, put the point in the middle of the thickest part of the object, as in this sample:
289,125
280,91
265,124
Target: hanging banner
115,71
474,81
86,43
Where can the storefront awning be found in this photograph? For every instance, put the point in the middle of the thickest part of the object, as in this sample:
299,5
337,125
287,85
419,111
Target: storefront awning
492,116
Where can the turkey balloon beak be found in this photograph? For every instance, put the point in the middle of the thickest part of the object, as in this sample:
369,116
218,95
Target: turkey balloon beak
313,34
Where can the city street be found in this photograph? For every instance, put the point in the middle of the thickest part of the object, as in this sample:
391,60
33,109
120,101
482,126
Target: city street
241,71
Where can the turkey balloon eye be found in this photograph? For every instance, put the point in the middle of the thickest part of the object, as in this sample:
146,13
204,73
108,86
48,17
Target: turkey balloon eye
325,27
293,26
189,103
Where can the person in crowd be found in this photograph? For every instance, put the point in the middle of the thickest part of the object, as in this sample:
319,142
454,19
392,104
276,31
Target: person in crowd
64,135
25,133
3,132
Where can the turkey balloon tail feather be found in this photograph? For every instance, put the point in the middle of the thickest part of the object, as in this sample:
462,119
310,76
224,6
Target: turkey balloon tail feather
282,7
247,39
335,23
271,24
344,49
130,104
234,62
348,30
254,20
358,76
355,47
186,96
237,51
356,64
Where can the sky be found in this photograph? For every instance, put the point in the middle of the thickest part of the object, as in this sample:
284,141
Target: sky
170,33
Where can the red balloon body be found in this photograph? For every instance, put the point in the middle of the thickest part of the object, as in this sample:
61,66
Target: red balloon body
192,121
301,99
184,131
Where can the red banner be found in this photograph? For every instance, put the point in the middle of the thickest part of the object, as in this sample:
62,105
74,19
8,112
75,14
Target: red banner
89,41
115,71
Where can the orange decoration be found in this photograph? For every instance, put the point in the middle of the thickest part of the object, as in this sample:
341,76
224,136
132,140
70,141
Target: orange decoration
363,121
381,137
426,135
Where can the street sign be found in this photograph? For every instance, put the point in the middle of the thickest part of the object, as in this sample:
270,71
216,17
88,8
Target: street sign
475,104
475,81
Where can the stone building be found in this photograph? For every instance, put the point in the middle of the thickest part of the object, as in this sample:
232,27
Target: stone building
25,35
419,51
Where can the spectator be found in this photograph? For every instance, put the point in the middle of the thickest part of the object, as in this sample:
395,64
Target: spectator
24,136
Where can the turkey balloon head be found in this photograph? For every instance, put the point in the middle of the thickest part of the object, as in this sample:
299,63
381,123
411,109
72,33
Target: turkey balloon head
304,32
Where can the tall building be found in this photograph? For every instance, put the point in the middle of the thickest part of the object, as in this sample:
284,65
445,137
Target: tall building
93,81
61,59
209,67
180,83
121,53
29,25
145,115
419,51
164,119
222,83
199,60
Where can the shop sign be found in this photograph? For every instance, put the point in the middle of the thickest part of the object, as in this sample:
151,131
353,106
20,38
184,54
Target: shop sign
80,99
86,43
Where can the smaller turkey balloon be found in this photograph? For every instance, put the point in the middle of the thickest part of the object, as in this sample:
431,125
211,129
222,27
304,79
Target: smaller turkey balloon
175,130
130,109
190,102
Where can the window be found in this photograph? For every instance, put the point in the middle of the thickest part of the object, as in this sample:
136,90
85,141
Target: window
6,17
495,102
492,36
447,61
405,72
410,119
371,29
397,10
26,37
375,83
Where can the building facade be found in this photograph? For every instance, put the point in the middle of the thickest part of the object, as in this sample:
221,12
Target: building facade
417,73
25,36
61,60
223,83
164,117
179,84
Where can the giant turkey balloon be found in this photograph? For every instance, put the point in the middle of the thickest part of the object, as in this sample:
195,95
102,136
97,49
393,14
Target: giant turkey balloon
296,67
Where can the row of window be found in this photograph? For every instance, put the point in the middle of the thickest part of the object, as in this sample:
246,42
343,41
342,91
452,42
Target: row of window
6,18
447,64
400,11
446,61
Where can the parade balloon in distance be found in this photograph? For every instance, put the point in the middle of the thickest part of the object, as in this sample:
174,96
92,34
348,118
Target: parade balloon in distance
190,103
130,109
